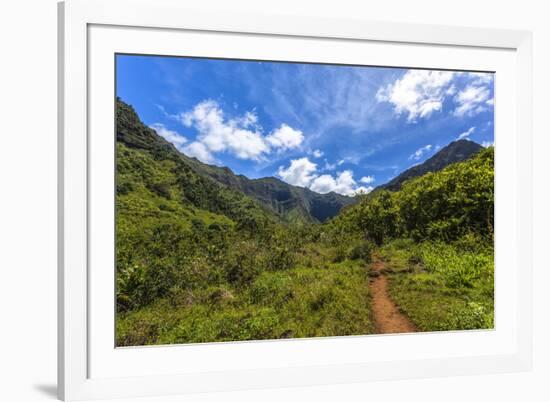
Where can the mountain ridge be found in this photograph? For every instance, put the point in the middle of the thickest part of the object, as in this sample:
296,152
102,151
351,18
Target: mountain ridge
291,203
285,199
456,151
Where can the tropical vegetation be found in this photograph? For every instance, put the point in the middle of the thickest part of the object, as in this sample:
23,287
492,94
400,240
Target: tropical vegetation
201,258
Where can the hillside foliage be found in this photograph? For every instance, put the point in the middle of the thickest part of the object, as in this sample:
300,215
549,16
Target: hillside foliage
444,206
198,260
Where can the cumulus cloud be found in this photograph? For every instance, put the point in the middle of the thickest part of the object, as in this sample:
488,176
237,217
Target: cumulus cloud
487,144
169,135
249,119
342,183
240,136
367,179
200,151
419,93
302,172
466,133
416,155
285,137
220,135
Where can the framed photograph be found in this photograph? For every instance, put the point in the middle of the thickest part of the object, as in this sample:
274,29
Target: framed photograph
253,201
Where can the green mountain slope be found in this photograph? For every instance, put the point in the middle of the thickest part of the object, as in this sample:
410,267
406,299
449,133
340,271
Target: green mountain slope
293,204
444,205
145,159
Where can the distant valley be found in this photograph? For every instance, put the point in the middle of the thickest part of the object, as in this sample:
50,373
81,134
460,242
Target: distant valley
291,203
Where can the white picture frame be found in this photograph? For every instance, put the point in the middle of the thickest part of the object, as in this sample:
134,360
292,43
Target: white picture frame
89,367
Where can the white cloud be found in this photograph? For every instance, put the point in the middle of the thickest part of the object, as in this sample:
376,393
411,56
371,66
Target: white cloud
200,151
363,190
323,184
219,135
466,133
367,179
285,137
317,153
487,144
169,135
299,173
472,100
302,172
451,90
241,136
420,152
245,144
481,78
418,93
248,120
343,183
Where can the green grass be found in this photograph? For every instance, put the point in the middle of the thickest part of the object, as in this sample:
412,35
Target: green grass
442,286
321,300
186,274
200,261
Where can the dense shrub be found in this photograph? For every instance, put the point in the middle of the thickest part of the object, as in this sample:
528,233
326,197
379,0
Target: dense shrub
458,268
361,250
447,205
339,253
471,315
241,264
161,189
271,289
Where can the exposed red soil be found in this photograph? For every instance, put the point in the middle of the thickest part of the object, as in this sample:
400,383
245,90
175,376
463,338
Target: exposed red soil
387,317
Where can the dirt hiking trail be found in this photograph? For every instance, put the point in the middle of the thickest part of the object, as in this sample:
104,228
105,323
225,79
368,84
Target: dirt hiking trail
387,317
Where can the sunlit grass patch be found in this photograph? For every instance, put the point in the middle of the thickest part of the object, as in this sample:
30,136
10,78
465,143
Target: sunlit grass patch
301,302
442,287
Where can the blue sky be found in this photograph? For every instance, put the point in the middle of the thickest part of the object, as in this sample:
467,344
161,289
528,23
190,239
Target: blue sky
329,128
